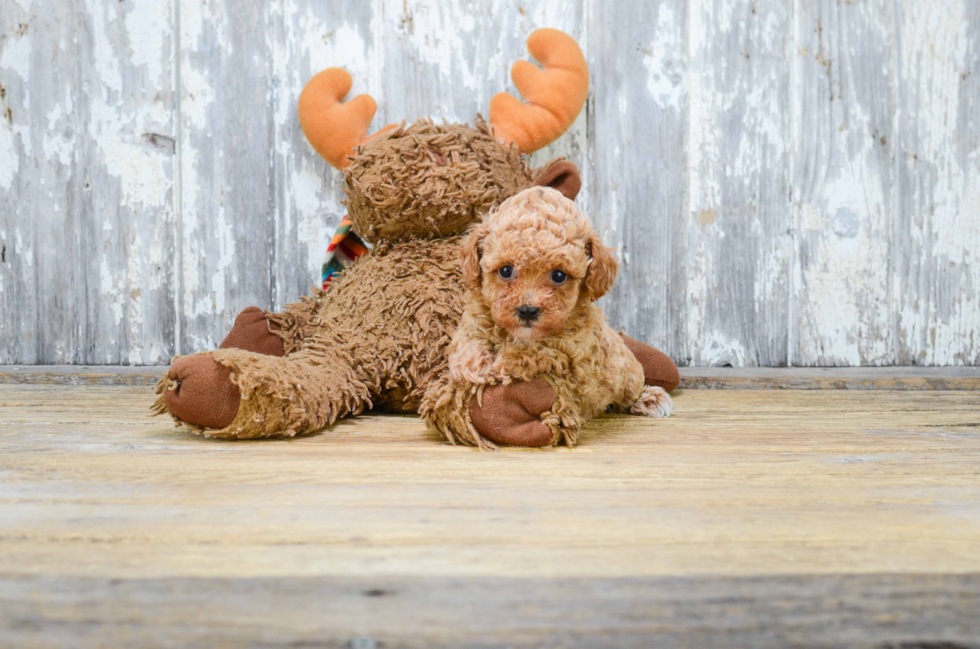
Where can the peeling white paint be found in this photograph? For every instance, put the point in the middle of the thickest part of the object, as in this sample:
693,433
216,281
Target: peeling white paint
147,28
111,293
441,38
846,270
885,234
939,306
344,47
718,351
14,60
141,170
16,55
145,178
9,160
664,58
106,60
134,300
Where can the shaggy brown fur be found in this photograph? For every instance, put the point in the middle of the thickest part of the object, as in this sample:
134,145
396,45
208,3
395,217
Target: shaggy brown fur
538,254
297,323
430,180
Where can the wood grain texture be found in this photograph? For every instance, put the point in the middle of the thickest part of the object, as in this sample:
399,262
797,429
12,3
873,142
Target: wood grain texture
937,233
739,248
86,182
831,378
762,517
844,183
638,167
923,611
226,232
737,483
786,183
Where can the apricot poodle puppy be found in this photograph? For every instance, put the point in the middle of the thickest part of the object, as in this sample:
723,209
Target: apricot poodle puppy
532,270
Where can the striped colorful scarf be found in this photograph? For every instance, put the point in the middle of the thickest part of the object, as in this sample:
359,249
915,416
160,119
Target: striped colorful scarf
345,247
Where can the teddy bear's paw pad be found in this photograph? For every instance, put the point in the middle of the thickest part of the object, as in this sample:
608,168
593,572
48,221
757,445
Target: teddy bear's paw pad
254,332
200,392
655,402
511,414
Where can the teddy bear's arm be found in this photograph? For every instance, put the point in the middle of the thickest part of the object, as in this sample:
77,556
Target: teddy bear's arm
658,368
274,334
297,323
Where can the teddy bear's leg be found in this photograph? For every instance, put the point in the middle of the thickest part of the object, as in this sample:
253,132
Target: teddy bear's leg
238,394
198,391
658,369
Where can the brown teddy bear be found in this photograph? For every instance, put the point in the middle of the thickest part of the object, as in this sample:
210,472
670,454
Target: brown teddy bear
380,335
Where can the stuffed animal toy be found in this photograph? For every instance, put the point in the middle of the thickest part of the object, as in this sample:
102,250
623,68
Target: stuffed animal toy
533,269
379,337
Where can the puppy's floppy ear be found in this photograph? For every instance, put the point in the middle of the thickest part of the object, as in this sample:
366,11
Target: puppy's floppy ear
602,268
469,251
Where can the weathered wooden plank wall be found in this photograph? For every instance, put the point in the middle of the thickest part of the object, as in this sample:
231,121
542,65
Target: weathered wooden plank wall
787,182
86,182
843,180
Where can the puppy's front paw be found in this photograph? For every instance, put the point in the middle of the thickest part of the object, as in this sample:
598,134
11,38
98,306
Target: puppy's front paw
467,366
655,402
474,375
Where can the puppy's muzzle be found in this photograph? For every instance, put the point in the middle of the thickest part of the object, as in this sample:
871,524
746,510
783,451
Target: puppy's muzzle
528,313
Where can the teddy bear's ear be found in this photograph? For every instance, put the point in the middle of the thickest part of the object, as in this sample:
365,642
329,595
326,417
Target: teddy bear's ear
562,175
602,268
470,255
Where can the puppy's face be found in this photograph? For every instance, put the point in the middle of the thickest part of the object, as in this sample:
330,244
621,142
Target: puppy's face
531,290
534,262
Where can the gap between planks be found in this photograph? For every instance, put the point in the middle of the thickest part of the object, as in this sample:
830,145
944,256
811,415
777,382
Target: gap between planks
746,378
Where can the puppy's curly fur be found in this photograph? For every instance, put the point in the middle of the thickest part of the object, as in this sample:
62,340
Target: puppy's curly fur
532,271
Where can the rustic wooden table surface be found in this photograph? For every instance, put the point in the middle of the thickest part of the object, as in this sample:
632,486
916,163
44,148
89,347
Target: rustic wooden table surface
751,517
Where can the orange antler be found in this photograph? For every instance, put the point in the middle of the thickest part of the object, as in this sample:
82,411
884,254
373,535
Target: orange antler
333,128
555,95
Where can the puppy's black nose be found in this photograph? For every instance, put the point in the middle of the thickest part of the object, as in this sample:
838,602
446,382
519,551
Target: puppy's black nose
528,312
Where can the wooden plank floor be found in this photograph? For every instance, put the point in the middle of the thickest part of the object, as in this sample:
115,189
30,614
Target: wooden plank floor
751,517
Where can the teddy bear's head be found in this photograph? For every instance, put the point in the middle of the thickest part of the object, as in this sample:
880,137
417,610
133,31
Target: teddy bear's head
430,180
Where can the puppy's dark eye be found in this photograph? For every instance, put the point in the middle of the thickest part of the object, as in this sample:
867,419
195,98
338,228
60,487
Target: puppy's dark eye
506,272
558,276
